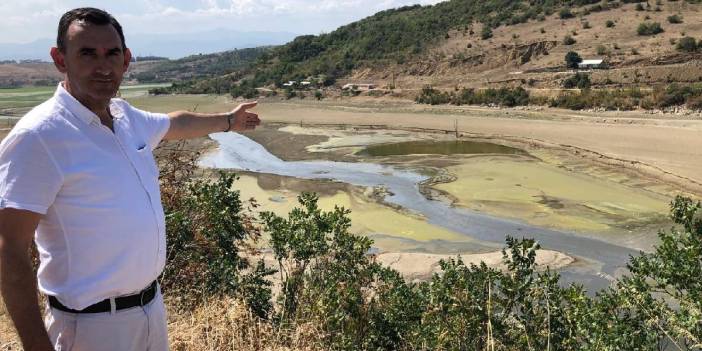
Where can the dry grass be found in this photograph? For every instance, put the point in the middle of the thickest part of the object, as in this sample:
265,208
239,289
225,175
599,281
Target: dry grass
227,324
216,325
8,336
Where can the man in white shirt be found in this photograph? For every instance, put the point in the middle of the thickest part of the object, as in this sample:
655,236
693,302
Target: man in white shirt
77,175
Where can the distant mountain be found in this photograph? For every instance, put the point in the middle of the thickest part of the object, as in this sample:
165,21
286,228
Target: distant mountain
182,45
196,66
38,49
168,45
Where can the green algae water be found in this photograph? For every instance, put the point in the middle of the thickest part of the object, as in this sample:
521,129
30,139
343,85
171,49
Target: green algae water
427,147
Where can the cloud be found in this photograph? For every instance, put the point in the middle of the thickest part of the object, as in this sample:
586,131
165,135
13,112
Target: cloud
28,20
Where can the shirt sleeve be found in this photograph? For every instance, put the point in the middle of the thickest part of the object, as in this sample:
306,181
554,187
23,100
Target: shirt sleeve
154,125
29,176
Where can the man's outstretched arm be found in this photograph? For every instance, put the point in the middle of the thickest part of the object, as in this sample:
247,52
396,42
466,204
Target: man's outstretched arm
17,279
188,125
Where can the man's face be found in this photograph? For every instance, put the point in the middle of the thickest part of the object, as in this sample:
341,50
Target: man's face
93,62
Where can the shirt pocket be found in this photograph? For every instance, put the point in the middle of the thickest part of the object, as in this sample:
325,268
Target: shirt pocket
146,161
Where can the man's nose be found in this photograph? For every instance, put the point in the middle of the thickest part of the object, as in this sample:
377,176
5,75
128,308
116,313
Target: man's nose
103,66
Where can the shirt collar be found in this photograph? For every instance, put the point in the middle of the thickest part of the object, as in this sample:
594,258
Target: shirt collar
65,99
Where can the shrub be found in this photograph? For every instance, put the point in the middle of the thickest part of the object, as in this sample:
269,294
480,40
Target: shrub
602,50
675,19
318,95
207,225
503,97
586,25
639,7
432,96
565,13
334,296
579,80
568,40
649,28
627,99
609,24
486,33
687,44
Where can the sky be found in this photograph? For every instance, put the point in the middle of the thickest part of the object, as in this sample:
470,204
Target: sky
25,21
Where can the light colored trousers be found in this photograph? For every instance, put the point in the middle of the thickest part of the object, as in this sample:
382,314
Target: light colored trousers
137,329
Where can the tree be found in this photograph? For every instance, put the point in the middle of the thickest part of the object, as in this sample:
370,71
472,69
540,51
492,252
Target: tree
572,59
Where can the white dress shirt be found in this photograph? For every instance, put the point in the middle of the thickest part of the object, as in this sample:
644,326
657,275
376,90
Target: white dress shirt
103,230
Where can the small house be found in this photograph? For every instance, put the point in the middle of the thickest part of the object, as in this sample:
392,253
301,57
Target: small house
592,64
351,86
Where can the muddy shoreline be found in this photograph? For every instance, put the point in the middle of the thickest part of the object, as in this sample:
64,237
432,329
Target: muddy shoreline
295,146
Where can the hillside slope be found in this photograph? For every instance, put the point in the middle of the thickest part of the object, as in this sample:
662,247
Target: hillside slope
461,43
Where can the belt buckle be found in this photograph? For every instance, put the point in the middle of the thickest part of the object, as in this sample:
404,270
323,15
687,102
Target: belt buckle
141,297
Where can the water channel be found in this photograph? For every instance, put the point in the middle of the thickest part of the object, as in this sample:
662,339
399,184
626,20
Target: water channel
597,262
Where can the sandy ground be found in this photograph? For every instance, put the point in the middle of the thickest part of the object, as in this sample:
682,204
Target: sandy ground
421,266
667,148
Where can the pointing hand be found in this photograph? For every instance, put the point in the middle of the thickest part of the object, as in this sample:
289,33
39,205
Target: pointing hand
240,119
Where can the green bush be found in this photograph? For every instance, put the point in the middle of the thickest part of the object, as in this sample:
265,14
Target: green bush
687,44
579,80
609,24
565,13
649,28
329,281
507,97
486,33
432,96
675,19
624,99
572,59
207,225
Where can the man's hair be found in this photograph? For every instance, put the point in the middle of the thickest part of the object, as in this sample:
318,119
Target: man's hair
87,15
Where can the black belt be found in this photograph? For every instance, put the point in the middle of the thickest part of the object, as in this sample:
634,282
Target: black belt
140,299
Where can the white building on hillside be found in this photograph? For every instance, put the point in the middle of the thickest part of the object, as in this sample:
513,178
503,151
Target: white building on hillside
592,64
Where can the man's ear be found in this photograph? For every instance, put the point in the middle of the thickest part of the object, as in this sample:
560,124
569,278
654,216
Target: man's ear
59,59
127,58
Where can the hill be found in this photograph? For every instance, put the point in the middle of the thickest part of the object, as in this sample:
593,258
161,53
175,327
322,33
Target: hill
481,44
195,66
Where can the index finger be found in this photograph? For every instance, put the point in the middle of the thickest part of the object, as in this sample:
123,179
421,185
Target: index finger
248,105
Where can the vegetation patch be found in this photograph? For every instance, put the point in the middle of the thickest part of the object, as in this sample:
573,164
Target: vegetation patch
508,97
649,28
328,281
